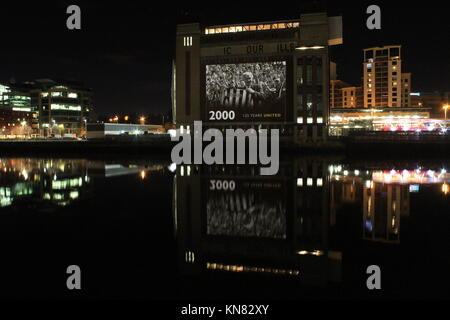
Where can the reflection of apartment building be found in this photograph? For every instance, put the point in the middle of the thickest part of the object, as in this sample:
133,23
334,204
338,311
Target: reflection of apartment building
384,83
383,205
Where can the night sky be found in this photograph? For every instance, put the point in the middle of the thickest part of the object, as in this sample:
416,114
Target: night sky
125,49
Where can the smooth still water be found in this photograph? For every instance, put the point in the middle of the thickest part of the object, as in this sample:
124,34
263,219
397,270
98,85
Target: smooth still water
147,229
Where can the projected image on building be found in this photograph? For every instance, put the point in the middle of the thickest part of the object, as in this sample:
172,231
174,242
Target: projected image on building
247,209
246,91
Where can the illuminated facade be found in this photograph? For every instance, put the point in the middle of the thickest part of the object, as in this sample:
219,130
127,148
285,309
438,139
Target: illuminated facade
17,117
383,82
63,107
260,75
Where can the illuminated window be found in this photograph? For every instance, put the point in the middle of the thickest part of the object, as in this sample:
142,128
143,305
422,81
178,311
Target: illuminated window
187,41
65,107
72,95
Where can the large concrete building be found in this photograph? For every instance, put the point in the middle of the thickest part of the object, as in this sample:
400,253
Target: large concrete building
384,83
262,75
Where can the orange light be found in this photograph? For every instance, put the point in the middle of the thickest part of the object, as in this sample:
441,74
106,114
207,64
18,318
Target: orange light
445,189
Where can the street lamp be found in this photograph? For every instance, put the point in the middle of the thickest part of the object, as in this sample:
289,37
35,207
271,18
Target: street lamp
445,107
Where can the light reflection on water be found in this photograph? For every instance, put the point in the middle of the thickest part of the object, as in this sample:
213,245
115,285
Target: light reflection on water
320,222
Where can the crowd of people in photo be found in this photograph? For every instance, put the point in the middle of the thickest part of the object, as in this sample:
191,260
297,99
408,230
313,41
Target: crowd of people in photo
245,215
246,83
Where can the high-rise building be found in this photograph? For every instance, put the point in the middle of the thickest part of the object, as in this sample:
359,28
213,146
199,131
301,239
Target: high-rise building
383,78
406,90
256,75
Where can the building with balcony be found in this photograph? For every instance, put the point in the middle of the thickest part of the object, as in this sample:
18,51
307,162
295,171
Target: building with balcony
384,83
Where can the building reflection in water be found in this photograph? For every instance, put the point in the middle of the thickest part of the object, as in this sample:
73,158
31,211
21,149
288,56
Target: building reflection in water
229,218
48,184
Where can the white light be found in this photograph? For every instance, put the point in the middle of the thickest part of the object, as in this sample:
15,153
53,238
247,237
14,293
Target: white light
300,120
172,132
299,182
319,182
172,167
309,182
320,120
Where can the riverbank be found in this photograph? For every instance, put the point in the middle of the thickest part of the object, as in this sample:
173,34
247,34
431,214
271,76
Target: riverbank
160,147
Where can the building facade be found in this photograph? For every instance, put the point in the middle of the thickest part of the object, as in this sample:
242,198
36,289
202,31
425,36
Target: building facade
382,81
256,75
352,97
63,107
17,117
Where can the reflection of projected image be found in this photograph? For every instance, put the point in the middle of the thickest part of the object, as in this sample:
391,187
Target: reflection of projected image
246,85
246,215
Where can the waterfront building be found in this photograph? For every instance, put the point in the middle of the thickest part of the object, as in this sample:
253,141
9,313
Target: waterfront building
263,75
63,106
384,83
103,130
17,116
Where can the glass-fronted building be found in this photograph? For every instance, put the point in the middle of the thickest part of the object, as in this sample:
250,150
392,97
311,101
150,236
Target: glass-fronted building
17,116
63,107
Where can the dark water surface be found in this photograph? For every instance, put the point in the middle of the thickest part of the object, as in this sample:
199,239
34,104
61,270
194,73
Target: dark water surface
147,229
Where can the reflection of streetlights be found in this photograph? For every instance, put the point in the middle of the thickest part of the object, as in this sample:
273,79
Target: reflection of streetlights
445,189
445,107
142,120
